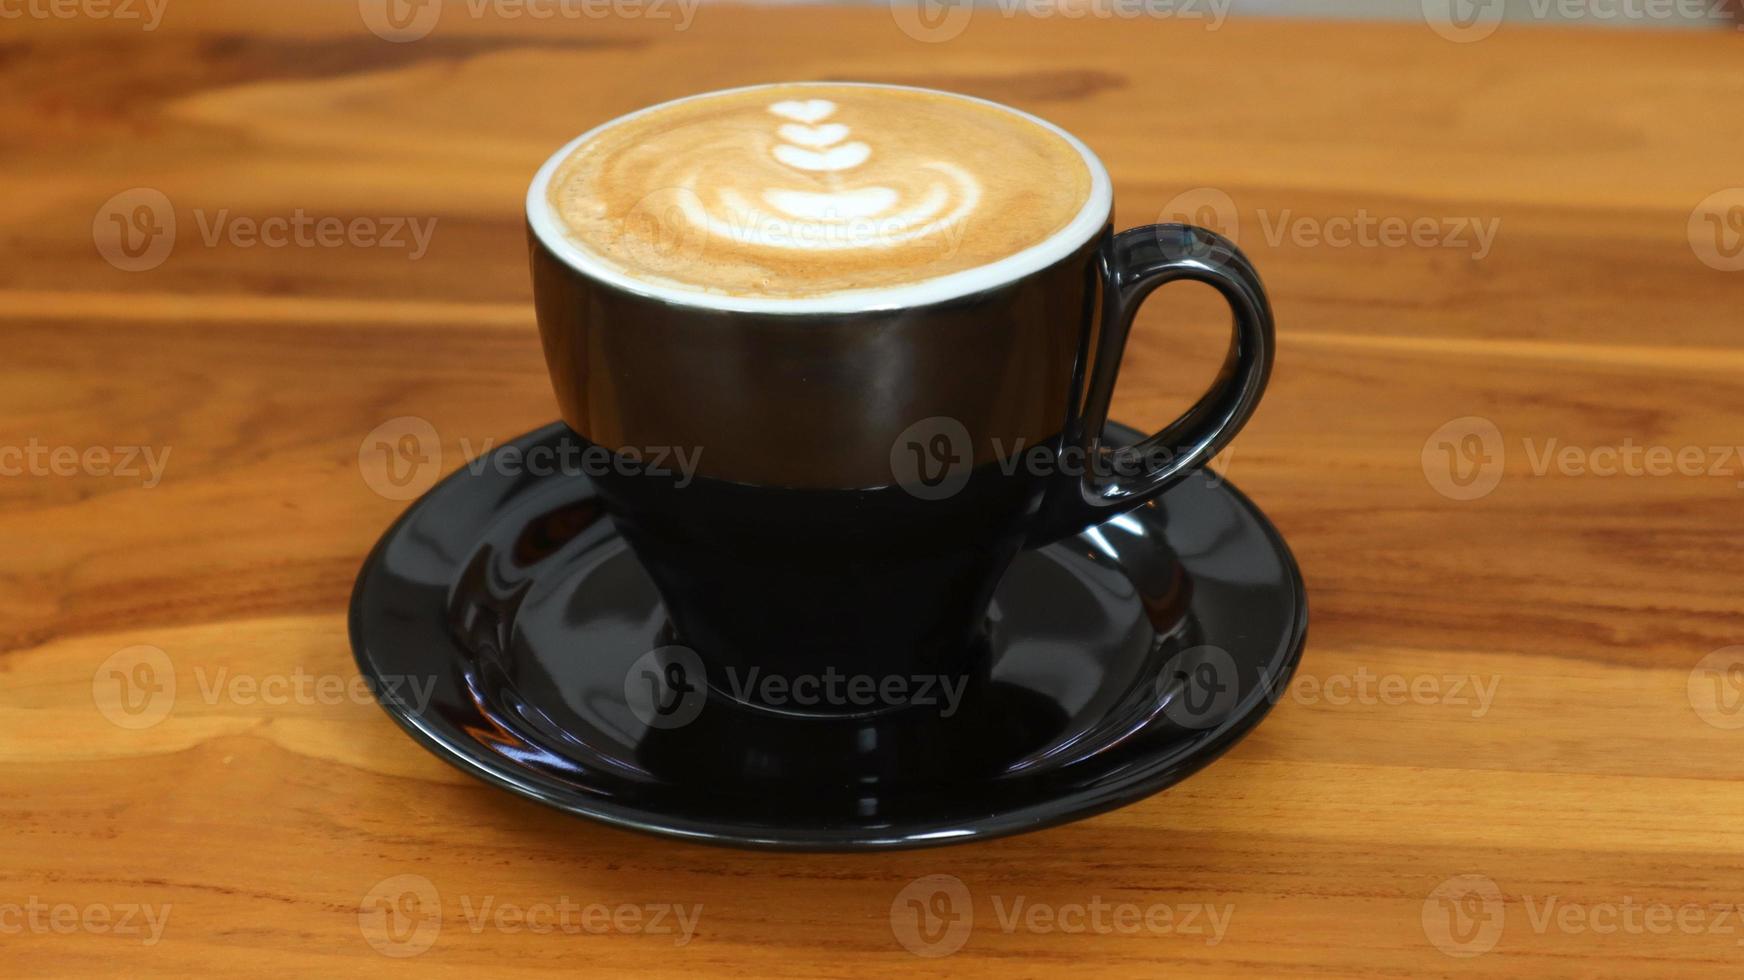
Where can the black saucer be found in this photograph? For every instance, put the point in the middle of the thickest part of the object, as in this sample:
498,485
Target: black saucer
501,617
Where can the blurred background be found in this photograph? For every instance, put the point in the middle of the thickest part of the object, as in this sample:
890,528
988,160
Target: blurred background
1606,13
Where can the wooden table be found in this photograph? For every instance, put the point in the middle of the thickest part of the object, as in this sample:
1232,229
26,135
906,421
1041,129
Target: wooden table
1531,686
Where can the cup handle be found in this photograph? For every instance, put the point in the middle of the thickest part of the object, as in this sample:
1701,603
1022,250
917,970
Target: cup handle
1133,264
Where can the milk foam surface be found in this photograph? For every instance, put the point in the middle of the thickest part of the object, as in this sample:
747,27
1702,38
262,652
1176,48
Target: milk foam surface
809,190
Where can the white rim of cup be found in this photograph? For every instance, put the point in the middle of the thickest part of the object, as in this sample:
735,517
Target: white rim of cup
1090,219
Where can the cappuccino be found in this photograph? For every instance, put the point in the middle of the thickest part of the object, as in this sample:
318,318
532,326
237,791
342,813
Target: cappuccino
802,191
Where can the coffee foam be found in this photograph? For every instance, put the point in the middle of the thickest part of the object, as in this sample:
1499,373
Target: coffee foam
806,191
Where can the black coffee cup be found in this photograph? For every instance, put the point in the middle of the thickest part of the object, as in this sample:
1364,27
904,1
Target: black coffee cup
862,471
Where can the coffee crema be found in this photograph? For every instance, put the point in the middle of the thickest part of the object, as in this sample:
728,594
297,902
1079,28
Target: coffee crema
807,190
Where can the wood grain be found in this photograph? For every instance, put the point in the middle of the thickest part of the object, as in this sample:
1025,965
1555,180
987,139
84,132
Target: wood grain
1585,779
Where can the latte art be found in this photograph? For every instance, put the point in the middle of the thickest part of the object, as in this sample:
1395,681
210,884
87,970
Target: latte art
847,215
810,190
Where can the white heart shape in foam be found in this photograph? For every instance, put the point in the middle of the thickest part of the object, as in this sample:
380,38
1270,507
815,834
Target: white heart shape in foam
836,158
809,111
816,137
863,202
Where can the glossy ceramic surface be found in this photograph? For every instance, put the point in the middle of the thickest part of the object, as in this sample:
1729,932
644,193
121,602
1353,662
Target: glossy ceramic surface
509,629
